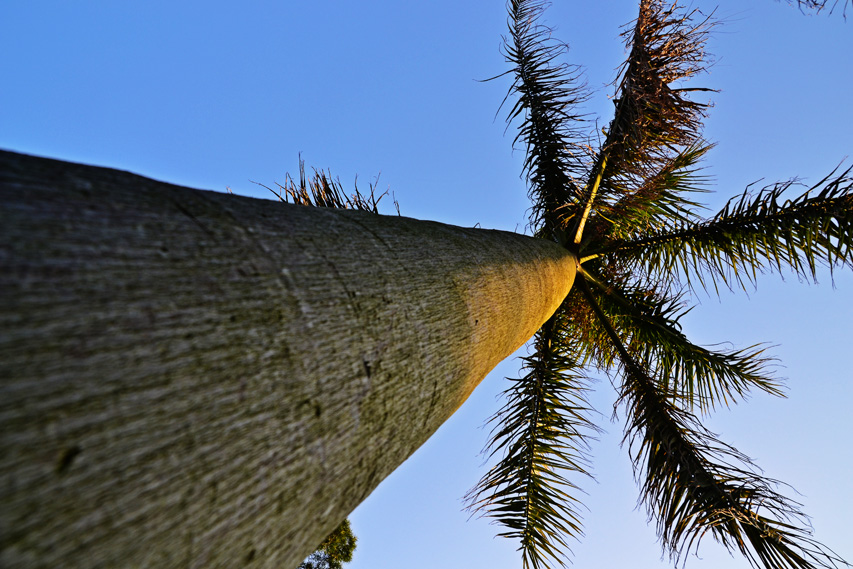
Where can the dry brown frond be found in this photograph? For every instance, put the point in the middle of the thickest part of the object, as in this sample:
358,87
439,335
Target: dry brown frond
321,190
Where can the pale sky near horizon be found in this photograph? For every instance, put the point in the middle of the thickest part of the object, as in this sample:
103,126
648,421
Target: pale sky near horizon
217,94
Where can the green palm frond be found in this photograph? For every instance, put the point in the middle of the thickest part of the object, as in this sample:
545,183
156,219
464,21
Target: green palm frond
695,377
755,233
593,346
542,435
694,484
658,202
548,94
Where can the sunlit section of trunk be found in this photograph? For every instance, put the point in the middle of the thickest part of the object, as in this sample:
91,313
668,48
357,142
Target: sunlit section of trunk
197,379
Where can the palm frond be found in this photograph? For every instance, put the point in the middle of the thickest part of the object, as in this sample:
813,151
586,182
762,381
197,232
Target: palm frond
819,5
542,434
660,199
548,94
322,190
654,115
694,484
695,377
593,347
657,203
655,120
756,233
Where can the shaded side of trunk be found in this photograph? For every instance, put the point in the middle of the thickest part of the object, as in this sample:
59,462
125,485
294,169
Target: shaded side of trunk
197,379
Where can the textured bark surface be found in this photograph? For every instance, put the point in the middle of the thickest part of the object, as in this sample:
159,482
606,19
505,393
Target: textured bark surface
197,379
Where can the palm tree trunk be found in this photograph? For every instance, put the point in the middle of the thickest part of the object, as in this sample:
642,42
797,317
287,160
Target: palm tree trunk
197,379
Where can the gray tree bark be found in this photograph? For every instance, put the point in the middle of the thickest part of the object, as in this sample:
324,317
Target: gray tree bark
195,379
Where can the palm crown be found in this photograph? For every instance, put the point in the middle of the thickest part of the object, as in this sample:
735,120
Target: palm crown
623,203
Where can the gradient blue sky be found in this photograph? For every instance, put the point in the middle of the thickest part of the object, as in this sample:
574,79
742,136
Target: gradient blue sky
214,94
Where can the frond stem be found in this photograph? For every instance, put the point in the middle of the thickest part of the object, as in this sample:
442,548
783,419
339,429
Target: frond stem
626,358
591,199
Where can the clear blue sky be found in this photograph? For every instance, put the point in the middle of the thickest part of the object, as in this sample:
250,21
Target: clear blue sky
214,94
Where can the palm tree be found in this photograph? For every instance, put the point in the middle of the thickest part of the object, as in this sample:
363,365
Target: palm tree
623,201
